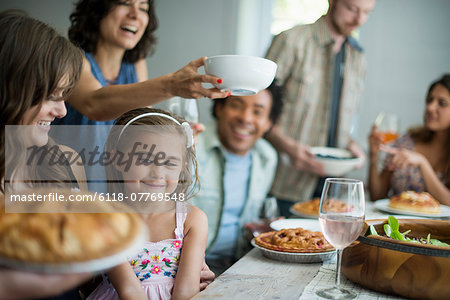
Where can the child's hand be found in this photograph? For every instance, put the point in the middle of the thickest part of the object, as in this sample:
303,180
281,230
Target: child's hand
206,276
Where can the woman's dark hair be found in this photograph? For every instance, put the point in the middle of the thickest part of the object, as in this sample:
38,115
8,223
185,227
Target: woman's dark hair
34,60
85,21
425,135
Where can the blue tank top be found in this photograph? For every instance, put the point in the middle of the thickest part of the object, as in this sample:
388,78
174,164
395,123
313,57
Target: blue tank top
87,138
127,74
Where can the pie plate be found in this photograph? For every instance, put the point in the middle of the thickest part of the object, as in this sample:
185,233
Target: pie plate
303,215
295,257
94,265
307,224
383,205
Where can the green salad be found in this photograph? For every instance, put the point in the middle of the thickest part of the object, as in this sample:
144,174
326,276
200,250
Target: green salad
392,230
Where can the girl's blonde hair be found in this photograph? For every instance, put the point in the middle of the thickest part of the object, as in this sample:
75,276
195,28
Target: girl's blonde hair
188,182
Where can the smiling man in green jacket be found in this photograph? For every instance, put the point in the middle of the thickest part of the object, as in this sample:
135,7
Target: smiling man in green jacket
236,170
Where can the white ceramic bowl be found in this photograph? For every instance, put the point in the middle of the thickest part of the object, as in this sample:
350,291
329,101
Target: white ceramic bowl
336,161
242,75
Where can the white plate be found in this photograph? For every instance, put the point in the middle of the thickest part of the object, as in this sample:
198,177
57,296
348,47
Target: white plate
95,265
299,214
383,205
309,224
295,257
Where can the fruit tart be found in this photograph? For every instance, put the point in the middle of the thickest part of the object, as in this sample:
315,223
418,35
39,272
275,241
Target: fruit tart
62,237
296,240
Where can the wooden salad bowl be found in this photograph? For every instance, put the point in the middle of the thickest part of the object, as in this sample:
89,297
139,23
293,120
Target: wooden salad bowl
415,271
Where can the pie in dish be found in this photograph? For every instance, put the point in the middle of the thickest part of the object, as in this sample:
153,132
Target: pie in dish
312,207
296,240
65,237
415,202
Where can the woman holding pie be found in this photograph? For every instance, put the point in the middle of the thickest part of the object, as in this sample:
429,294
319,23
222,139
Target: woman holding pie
38,70
420,160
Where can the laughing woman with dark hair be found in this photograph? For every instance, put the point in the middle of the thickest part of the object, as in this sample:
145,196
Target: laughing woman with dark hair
419,160
116,37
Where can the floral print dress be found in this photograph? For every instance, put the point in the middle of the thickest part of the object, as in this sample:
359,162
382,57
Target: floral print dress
409,178
155,264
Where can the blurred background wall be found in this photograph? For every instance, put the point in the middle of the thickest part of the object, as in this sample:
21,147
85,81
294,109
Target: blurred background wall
406,44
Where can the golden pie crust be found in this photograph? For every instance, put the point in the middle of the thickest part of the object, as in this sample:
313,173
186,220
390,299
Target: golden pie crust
296,240
309,207
312,207
415,202
65,237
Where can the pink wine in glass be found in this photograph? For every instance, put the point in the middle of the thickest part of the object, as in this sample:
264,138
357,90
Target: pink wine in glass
341,230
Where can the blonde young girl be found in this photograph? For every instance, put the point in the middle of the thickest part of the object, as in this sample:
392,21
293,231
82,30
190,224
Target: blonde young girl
153,159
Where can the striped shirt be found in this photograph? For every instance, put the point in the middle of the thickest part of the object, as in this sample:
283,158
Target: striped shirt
305,59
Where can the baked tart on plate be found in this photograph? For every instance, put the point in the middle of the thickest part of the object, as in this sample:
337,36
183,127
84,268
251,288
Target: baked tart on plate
67,242
296,240
311,207
415,202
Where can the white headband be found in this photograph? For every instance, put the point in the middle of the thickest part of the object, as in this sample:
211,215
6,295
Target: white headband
187,128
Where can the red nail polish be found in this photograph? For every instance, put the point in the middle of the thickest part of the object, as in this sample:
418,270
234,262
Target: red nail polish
219,80
229,94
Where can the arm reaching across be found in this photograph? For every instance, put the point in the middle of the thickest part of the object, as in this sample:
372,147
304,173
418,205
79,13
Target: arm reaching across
107,103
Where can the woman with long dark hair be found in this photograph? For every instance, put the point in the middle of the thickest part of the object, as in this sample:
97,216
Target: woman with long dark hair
39,69
116,37
420,160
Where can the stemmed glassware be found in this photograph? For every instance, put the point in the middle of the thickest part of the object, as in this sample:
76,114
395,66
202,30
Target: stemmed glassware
388,127
186,108
341,217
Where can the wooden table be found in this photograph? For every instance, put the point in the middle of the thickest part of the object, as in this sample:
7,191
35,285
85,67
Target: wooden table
257,277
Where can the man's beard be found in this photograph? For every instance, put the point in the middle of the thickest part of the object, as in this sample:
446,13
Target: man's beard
335,25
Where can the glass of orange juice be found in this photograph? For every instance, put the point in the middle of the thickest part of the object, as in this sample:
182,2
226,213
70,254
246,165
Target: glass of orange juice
388,127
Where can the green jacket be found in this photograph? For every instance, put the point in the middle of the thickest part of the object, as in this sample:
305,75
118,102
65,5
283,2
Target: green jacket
211,163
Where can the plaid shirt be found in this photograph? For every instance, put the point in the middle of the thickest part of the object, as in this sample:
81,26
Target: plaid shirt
305,59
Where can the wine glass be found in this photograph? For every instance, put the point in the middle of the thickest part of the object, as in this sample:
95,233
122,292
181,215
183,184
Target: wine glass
341,217
186,108
388,126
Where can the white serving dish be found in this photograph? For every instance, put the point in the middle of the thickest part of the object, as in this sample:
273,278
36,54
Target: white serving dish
336,161
242,75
